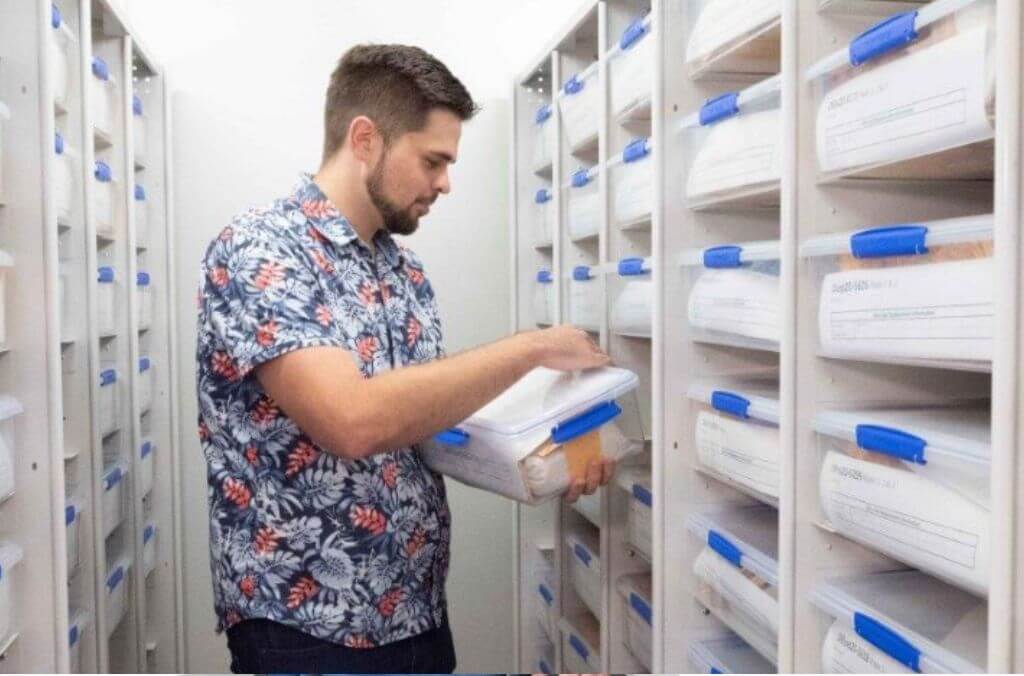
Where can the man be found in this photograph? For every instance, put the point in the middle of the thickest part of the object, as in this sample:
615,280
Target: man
320,366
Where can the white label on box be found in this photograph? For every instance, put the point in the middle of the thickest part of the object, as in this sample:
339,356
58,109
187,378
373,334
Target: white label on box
929,100
740,152
932,311
844,652
737,301
746,453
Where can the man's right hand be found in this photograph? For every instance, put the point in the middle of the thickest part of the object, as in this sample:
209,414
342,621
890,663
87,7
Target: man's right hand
567,348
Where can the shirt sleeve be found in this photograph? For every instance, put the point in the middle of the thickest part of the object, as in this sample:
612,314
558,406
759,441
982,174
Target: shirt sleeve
261,297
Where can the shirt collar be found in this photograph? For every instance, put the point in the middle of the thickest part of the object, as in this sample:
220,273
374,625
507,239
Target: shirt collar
325,217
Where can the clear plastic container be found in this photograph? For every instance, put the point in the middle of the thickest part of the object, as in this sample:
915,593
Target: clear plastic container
143,287
5,116
734,295
729,655
115,496
737,572
589,506
632,181
141,210
583,552
545,592
585,298
920,294
10,557
138,127
149,548
105,189
733,149
145,384
736,434
900,622
631,69
633,298
580,105
103,96
108,411
117,593
10,408
581,643
544,218
106,300
6,268
912,484
584,211
544,139
912,86
147,466
636,592
637,482
61,39
734,36
540,434
79,623
544,298
65,185
72,528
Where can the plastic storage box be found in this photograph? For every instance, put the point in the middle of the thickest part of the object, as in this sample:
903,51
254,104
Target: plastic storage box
913,85
72,528
544,298
581,643
535,438
545,592
103,94
10,408
636,592
736,433
544,139
6,267
729,655
631,69
78,623
737,572
147,466
144,289
583,219
733,149
583,550
580,105
138,127
585,298
115,496
633,293
149,548
632,178
734,295
65,180
141,211
544,216
145,384
920,294
589,506
108,415
61,39
105,198
117,593
636,481
737,36
912,484
900,622
10,557
106,300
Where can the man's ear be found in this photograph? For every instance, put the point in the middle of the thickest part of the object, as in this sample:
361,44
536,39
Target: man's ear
363,138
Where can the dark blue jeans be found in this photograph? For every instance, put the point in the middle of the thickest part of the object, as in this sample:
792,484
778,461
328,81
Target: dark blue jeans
265,647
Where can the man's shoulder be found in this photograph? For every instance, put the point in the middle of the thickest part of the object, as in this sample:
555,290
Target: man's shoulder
272,228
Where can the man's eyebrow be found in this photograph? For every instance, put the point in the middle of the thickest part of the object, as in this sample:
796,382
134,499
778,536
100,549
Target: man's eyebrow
443,155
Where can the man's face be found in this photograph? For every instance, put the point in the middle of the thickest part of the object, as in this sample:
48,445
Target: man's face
413,172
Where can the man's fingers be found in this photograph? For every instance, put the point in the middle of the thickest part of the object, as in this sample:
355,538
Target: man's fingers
575,489
608,471
594,473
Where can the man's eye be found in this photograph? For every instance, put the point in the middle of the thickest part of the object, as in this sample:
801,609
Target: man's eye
432,164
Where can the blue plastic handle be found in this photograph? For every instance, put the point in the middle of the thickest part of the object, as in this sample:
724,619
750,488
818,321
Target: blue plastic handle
105,274
632,35
58,143
887,640
108,377
585,422
69,515
100,68
642,495
546,594
892,442
574,85
144,364
581,178
730,403
103,172
142,279
55,17
112,479
543,196
637,150
582,554
714,670
719,108
718,257
642,608
140,193
544,277
726,549
453,437
115,578
578,646
631,267
145,449
136,105
148,533
887,35
544,668
73,635
582,273
894,240
543,114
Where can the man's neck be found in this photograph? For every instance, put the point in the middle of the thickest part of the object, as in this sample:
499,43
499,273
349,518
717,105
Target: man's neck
348,194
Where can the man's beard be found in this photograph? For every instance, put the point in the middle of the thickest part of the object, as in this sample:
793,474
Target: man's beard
396,220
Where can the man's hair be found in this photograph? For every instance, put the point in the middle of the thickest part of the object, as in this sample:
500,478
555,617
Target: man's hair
396,86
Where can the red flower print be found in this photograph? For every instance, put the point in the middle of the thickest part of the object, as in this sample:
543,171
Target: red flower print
303,590
302,456
358,642
369,519
270,273
265,411
317,235
412,331
267,333
247,586
323,315
367,294
224,366
318,209
415,275
390,472
416,542
266,540
387,604
227,233
366,347
237,492
204,432
252,456
321,260
219,276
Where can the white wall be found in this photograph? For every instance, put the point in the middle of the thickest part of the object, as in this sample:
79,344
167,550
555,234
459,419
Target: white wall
249,79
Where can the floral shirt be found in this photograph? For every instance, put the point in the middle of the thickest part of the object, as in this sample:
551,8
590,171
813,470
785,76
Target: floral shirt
354,552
